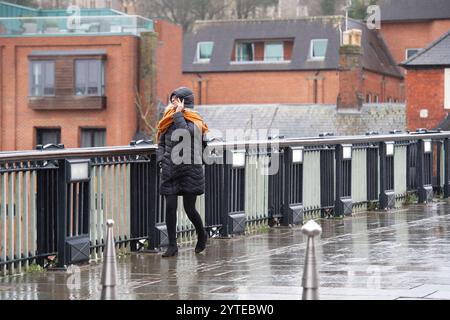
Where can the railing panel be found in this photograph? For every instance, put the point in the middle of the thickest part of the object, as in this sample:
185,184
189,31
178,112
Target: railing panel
359,176
400,170
256,184
311,180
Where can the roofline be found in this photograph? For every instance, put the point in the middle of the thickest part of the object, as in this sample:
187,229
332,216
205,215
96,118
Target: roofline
432,45
427,66
310,18
398,76
412,20
281,70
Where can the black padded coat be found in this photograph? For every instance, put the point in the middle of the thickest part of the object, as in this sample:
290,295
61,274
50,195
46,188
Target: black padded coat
186,177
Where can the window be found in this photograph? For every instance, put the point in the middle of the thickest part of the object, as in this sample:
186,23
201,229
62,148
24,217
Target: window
93,138
447,89
48,136
245,52
375,98
411,52
42,78
89,78
318,49
368,98
273,52
204,51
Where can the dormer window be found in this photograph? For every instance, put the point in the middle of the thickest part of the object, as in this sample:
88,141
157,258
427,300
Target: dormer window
245,51
273,51
318,50
204,52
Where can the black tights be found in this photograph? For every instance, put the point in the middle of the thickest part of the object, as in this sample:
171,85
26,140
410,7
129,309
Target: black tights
171,215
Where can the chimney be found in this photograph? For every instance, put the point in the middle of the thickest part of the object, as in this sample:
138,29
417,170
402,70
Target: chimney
351,71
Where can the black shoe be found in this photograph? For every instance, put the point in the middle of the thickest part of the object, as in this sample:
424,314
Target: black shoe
201,243
171,251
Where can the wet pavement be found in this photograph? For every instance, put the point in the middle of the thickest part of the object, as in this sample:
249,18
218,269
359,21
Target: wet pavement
403,254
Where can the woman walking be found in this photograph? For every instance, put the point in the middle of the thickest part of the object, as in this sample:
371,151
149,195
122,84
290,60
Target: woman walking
181,164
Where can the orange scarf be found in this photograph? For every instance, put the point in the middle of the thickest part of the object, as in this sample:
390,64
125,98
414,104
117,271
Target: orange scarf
192,116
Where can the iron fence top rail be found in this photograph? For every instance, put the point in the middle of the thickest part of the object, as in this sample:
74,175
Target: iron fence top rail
330,141
56,154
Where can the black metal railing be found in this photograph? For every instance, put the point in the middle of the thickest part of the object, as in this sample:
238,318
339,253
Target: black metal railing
54,202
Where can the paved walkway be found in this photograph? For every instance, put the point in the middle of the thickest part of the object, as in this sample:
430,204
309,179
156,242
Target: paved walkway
403,254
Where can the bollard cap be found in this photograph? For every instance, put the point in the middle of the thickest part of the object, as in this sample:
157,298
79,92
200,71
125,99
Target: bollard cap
110,223
312,229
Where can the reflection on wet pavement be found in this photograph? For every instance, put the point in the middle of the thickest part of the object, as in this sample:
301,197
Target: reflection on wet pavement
403,254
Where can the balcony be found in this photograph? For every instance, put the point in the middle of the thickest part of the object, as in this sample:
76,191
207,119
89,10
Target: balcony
74,25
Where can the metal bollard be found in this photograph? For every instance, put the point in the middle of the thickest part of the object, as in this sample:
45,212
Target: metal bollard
109,265
310,280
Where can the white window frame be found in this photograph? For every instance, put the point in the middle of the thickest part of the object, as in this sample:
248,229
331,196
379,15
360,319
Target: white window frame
237,51
369,95
311,47
197,56
376,98
282,50
447,89
408,49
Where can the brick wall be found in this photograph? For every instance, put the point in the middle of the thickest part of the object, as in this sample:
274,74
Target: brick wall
264,87
402,36
169,59
425,91
284,87
18,121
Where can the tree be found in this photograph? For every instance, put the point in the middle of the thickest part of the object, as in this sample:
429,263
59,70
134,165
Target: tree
358,8
208,10
328,7
246,8
183,12
26,3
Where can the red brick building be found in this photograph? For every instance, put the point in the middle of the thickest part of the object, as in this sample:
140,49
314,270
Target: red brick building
79,87
408,26
428,86
297,61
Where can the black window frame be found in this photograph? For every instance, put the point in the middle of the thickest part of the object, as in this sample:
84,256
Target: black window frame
92,131
41,130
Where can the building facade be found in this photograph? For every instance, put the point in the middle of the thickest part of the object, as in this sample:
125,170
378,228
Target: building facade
428,86
409,26
290,61
81,86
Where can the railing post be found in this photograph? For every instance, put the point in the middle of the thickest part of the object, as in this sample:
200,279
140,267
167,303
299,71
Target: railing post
292,212
446,168
233,217
310,280
424,164
73,236
109,274
327,180
387,193
372,173
344,203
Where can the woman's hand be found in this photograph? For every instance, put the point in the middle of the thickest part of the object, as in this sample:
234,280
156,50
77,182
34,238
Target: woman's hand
179,105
